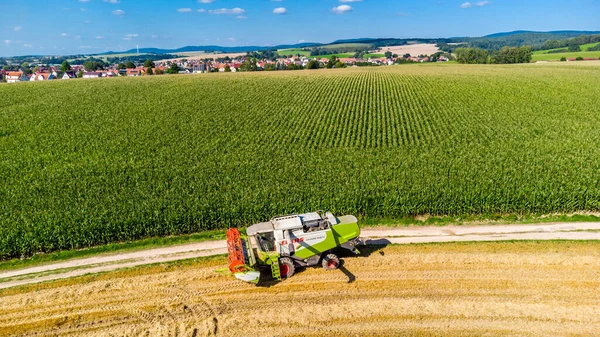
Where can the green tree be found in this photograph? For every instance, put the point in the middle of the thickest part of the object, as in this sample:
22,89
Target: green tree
340,64
579,58
472,56
388,54
227,69
574,46
149,64
510,55
149,71
89,65
563,59
80,74
173,69
65,67
312,64
525,54
249,65
121,66
25,68
294,66
129,65
332,61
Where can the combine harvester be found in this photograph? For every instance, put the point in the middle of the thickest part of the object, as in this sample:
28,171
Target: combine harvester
289,242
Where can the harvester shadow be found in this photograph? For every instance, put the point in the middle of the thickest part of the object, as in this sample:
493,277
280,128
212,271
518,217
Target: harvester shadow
351,277
370,247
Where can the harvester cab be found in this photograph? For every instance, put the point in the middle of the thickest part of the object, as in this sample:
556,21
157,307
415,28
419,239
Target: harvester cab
285,243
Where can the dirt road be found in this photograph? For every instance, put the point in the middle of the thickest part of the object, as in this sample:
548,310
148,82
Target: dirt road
452,289
384,235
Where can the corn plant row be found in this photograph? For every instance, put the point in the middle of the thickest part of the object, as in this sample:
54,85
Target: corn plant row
85,163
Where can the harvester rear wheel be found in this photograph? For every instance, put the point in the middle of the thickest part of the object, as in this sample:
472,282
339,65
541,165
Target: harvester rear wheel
286,268
331,262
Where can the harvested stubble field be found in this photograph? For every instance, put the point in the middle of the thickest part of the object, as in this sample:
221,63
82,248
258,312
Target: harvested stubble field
85,163
512,289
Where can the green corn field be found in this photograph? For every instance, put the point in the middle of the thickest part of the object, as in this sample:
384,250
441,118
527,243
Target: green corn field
89,162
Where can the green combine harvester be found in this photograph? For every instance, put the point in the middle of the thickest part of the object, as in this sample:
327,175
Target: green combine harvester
289,242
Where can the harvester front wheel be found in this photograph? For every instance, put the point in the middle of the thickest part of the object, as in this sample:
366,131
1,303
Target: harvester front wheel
331,262
286,268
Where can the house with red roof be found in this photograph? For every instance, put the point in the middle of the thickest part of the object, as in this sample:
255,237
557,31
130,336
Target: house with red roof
15,76
134,72
42,76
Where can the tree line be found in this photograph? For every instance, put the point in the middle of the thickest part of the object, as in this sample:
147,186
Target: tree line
506,55
571,44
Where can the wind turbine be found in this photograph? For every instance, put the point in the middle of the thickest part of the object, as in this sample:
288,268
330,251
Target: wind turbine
138,48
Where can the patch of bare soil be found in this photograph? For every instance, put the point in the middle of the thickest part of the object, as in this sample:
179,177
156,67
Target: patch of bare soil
412,49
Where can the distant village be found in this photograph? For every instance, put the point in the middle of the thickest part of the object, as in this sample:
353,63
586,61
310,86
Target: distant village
192,66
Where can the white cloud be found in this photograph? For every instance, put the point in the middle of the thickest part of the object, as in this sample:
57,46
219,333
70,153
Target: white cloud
132,35
241,17
83,0
201,10
127,38
351,0
86,47
478,4
231,39
280,10
64,34
113,1
17,28
78,37
301,41
99,37
184,10
27,45
118,12
7,42
206,1
341,9
227,11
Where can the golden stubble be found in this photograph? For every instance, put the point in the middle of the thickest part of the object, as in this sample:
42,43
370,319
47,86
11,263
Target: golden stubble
514,289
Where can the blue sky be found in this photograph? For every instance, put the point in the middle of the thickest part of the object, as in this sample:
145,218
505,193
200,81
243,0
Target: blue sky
56,27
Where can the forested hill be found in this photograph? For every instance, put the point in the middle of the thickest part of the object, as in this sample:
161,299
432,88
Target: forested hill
520,38
558,34
490,42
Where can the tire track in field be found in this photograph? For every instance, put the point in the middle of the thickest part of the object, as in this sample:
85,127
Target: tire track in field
478,289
